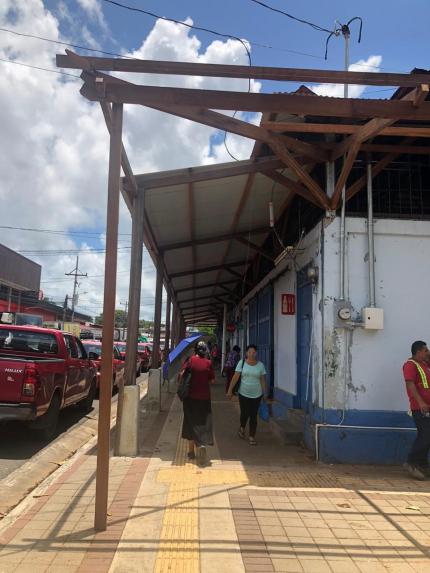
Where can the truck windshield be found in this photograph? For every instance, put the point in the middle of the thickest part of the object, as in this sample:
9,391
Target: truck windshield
96,348
19,340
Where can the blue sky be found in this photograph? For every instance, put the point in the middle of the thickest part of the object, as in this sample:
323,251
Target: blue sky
397,30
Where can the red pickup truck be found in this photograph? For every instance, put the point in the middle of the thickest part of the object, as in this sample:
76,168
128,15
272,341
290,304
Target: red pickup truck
94,351
43,371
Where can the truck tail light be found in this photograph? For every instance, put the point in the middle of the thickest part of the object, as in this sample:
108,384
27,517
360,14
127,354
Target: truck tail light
31,382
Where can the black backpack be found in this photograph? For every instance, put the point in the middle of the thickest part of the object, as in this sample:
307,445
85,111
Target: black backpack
184,387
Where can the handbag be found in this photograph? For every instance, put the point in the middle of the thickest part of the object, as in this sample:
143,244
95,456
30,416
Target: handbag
184,387
237,385
263,411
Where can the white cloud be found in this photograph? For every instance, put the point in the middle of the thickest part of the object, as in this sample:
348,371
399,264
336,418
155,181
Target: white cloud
54,145
94,11
372,64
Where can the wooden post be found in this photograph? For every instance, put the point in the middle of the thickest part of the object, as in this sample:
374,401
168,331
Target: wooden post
134,289
224,338
168,316
174,324
157,315
103,443
133,314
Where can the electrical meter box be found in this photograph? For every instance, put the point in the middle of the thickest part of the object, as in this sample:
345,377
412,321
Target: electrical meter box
373,318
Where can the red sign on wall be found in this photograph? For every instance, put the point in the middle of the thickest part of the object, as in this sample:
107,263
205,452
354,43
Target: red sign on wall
288,304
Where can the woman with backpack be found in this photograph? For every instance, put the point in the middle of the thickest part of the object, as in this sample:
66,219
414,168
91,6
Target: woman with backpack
252,389
197,424
231,362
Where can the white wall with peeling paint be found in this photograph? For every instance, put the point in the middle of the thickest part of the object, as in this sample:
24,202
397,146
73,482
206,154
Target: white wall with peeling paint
363,368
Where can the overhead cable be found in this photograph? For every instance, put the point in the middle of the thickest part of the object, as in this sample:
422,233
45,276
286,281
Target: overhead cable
295,18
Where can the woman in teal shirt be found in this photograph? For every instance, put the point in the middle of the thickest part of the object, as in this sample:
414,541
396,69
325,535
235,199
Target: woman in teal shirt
252,374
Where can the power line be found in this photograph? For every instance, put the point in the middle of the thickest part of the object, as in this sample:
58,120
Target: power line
59,42
59,231
38,68
201,28
295,18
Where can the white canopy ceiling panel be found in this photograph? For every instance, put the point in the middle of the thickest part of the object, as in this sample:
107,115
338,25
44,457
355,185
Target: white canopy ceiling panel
171,224
220,197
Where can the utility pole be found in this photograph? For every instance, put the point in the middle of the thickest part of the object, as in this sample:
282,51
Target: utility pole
125,318
75,273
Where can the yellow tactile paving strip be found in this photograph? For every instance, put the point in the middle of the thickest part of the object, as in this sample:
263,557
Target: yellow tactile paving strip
179,538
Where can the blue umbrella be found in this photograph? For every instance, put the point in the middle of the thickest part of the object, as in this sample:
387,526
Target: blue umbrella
174,361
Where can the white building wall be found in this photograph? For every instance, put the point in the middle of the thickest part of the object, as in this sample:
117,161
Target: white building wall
363,368
285,326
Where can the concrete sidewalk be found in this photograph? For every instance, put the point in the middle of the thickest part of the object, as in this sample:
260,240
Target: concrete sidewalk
264,508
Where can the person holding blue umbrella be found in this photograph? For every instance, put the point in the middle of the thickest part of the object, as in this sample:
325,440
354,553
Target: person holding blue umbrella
197,424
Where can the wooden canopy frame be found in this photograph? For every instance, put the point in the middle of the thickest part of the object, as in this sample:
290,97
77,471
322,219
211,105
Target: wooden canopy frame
404,118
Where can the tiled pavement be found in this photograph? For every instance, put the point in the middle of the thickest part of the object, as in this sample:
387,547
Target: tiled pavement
269,508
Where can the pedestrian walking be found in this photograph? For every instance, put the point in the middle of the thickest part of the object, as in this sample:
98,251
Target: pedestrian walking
231,362
416,372
252,390
197,424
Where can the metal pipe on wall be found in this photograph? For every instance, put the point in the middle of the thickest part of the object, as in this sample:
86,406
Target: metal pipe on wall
370,235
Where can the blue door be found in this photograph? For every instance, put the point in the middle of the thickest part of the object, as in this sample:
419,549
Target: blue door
252,322
265,331
304,335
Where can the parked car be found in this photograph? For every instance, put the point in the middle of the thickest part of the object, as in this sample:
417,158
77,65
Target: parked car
144,350
122,349
42,371
94,351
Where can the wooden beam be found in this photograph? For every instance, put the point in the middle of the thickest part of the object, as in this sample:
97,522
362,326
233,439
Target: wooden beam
209,240
207,296
366,131
398,149
200,313
294,187
211,285
202,305
255,247
242,277
346,170
206,172
181,98
375,125
256,72
214,119
346,129
376,169
420,95
229,292
208,269
302,175
307,149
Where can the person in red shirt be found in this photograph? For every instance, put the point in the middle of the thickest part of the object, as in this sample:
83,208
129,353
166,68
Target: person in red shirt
416,372
197,424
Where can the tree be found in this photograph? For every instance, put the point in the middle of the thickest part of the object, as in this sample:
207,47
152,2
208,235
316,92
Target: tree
120,318
210,330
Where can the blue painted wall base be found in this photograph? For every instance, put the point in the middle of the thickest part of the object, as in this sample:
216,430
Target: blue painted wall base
364,446
341,444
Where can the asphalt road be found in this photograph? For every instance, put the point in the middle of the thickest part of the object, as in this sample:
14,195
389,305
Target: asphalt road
18,443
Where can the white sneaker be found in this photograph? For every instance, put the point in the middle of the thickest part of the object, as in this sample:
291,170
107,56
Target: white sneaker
201,455
416,472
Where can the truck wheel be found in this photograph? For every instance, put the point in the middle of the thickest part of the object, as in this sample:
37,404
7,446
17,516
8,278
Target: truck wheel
86,404
50,419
